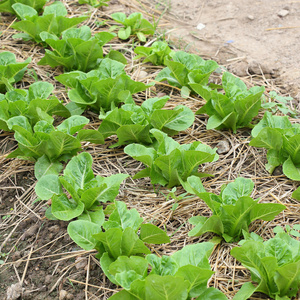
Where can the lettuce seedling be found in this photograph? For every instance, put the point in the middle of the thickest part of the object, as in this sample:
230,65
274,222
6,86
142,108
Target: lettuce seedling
157,54
57,144
170,163
186,69
6,5
53,21
282,140
233,210
86,191
78,49
94,3
133,24
183,275
102,89
11,71
33,104
132,123
232,110
274,265
118,236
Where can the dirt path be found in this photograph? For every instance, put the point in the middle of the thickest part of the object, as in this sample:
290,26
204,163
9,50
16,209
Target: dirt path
260,37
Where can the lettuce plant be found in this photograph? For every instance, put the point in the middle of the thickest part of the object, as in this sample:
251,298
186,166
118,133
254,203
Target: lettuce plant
86,191
33,103
57,144
132,123
77,49
95,3
282,140
274,265
182,275
232,110
157,54
133,24
168,162
233,210
6,5
11,71
102,89
53,21
123,234
185,69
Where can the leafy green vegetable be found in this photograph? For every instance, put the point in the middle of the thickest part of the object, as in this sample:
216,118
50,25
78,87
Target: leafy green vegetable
78,49
86,191
11,71
116,237
186,69
132,123
102,89
57,144
157,54
232,110
296,194
233,210
183,275
53,21
274,264
95,3
6,5
133,24
282,140
170,163
32,104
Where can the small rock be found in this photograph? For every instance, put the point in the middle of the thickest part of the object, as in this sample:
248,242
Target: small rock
48,279
80,263
70,296
142,75
200,26
30,232
223,147
63,295
14,291
250,17
283,13
54,229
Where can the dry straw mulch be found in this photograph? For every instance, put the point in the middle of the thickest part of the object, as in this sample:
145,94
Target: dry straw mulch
37,248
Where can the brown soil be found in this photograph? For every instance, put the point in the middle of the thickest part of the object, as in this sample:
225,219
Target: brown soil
38,252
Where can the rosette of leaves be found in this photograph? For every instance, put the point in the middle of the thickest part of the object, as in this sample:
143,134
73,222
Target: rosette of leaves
86,192
53,21
134,24
157,54
78,49
233,210
183,275
6,5
123,234
282,140
235,108
102,89
274,265
132,123
168,162
11,71
186,68
57,144
94,3
33,104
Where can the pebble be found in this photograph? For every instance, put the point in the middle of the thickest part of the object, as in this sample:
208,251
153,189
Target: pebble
63,295
283,13
223,147
250,17
142,75
81,263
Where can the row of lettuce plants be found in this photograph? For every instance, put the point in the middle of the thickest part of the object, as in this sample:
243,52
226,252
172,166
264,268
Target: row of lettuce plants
120,235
